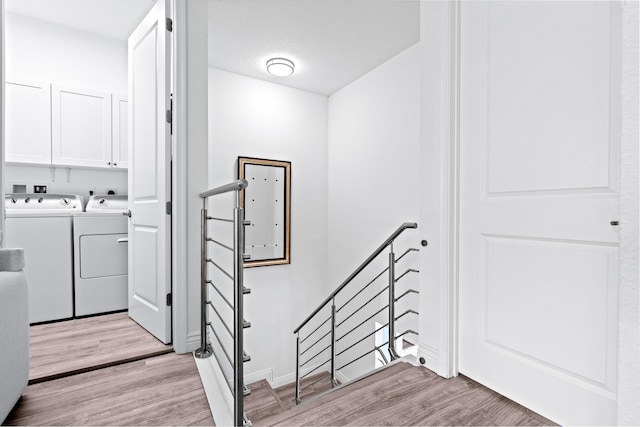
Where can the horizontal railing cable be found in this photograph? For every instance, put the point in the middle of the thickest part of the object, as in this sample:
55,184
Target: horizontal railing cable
364,321
360,357
221,295
406,252
411,270
311,346
315,369
221,319
209,260
410,291
316,355
364,338
363,306
209,239
406,312
357,271
308,336
220,343
213,218
362,290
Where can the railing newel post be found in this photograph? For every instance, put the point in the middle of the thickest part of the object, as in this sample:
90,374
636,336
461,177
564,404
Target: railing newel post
334,381
392,312
205,349
297,368
238,296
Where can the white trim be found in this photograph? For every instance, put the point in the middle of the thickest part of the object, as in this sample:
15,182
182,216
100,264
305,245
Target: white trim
454,186
218,394
290,378
2,178
439,22
189,163
342,378
267,374
628,363
179,180
193,341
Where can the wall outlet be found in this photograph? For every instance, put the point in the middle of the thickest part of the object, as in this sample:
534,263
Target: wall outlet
39,188
19,188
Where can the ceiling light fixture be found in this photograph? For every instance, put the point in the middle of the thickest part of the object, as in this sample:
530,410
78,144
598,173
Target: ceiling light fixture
280,67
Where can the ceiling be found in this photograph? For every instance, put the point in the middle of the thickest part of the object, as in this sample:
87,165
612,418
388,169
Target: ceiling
331,42
110,18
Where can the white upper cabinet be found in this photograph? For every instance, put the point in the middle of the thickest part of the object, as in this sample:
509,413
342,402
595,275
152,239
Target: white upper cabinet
120,109
28,123
81,127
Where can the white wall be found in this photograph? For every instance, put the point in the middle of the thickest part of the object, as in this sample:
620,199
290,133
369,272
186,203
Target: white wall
249,117
37,50
374,136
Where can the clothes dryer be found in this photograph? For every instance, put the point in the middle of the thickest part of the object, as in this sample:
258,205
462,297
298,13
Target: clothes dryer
100,239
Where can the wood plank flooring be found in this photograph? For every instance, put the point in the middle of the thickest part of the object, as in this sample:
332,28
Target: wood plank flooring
65,348
405,395
158,391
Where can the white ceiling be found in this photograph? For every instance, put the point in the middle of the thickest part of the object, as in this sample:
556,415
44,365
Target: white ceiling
109,18
332,42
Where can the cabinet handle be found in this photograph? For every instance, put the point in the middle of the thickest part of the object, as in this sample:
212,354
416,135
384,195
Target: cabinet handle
108,163
123,240
115,164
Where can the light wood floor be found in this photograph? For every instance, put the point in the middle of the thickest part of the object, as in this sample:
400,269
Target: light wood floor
400,395
158,391
74,346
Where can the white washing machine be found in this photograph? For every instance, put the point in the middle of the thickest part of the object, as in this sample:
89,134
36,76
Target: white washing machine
100,238
42,225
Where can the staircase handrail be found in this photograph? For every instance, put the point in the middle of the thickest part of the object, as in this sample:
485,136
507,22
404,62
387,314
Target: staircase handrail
357,271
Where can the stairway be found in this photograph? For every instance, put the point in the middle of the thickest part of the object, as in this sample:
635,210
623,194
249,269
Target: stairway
398,394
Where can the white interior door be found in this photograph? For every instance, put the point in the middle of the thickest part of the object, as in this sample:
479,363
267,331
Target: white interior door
539,149
149,174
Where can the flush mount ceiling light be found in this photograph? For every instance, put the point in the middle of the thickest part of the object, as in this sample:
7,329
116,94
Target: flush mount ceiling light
280,67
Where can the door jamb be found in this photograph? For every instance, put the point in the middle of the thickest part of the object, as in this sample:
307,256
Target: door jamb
440,40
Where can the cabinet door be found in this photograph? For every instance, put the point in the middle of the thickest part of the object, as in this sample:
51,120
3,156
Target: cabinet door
28,122
120,109
81,122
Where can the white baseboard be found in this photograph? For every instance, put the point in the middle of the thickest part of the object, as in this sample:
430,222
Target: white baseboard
290,378
342,378
431,357
193,341
218,394
267,374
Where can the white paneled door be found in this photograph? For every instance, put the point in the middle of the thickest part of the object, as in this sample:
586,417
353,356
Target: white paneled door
149,174
539,154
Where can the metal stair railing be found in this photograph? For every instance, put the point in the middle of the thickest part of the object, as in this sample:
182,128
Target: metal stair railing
322,340
217,303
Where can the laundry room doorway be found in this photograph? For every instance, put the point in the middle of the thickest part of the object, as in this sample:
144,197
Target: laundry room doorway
72,55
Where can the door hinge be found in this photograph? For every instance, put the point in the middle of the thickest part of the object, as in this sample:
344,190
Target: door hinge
169,114
169,25
169,299
168,208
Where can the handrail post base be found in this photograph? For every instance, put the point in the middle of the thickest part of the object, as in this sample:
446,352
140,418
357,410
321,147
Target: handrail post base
203,353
